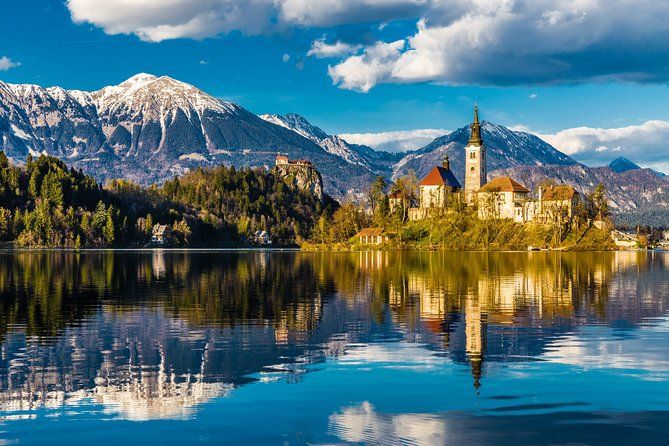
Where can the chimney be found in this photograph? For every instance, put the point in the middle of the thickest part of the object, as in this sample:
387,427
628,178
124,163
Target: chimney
446,164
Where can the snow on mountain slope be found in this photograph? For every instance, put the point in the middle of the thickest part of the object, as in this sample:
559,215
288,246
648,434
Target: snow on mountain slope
504,148
377,162
150,128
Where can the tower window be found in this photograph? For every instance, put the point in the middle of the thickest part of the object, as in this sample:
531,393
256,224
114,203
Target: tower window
472,155
472,168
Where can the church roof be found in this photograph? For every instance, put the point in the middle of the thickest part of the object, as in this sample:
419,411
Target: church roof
440,176
504,184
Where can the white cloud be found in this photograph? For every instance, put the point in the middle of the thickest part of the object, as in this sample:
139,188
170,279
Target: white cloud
533,96
398,141
6,63
321,49
157,20
362,72
484,42
646,144
204,62
285,58
520,42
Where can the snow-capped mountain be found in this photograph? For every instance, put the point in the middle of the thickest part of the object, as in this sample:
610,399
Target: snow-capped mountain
376,161
530,160
150,128
504,148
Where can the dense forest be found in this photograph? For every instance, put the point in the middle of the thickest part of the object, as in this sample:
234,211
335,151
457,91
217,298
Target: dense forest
47,204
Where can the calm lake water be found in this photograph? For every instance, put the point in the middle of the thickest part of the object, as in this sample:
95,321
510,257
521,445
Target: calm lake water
354,348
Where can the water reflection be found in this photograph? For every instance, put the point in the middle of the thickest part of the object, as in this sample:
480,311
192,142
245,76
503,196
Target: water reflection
154,335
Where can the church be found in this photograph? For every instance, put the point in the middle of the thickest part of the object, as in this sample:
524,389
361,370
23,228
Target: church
501,198
440,189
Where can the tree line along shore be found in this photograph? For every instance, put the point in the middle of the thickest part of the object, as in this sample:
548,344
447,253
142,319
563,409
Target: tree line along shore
45,204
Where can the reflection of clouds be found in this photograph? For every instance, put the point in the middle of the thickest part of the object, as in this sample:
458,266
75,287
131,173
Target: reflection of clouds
362,424
596,349
137,401
138,365
392,354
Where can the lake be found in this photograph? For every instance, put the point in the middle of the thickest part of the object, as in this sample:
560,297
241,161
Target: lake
254,348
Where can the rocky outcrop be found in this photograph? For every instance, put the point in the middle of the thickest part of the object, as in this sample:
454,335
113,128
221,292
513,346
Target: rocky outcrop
303,176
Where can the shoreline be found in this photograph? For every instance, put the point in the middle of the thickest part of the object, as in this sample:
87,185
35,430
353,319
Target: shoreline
301,250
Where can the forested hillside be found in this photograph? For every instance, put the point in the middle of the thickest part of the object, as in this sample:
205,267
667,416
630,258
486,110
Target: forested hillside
47,204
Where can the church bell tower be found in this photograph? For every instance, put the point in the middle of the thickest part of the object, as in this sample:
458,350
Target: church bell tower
475,162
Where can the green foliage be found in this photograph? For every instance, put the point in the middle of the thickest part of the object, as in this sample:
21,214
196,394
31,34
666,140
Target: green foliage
234,203
46,204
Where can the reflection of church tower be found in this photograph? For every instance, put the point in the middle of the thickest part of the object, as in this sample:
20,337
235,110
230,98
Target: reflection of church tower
475,160
475,333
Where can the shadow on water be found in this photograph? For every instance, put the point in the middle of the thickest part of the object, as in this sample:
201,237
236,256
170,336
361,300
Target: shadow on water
153,335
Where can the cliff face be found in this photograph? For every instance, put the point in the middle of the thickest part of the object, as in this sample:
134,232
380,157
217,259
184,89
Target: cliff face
304,177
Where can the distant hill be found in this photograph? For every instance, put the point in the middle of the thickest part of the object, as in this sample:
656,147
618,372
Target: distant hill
622,164
505,148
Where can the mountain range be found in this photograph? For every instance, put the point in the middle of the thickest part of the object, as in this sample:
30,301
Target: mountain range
149,129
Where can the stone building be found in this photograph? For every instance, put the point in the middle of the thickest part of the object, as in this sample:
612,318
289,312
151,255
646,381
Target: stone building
557,202
302,174
504,197
160,234
438,186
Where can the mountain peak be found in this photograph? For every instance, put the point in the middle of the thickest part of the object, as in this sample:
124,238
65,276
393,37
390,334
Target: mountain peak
504,148
298,124
139,78
622,164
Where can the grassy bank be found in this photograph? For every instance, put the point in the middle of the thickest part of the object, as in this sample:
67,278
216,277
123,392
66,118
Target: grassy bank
468,233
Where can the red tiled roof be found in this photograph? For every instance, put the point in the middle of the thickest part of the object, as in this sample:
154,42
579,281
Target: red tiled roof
504,184
440,176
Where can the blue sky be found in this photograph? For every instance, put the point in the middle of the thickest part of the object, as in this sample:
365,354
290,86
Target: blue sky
449,54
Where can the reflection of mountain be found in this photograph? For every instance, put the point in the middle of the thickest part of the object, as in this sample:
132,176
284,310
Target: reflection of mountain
152,335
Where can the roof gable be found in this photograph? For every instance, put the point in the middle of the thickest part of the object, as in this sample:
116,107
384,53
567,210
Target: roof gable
440,176
504,184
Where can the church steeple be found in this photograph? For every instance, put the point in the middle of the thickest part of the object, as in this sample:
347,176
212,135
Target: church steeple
475,160
475,137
